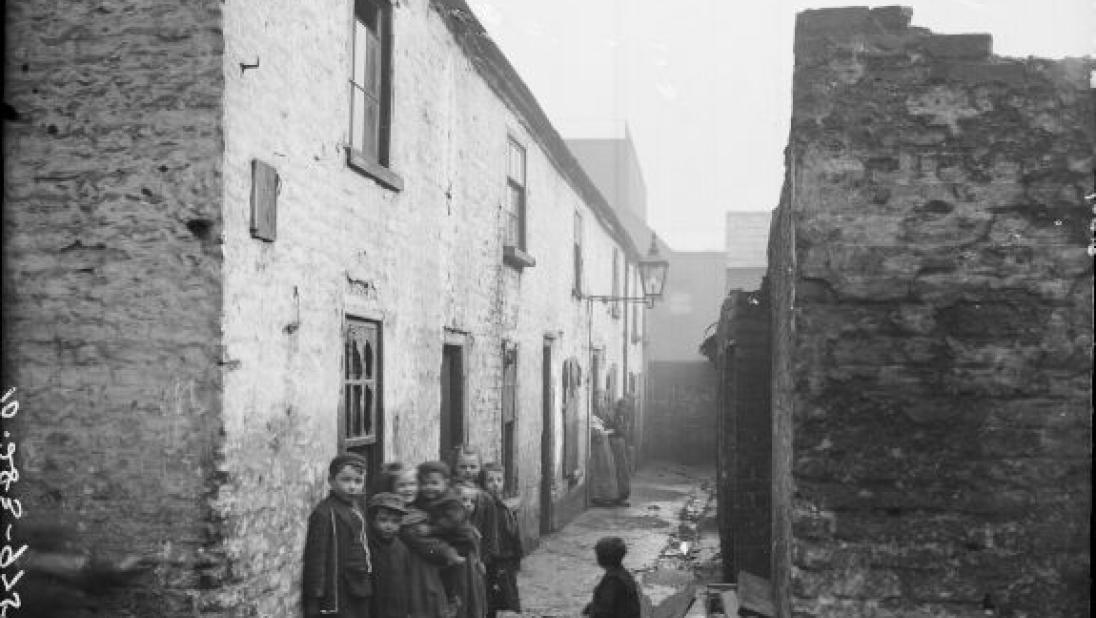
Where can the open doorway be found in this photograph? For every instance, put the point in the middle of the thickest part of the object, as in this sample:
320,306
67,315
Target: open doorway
452,399
547,438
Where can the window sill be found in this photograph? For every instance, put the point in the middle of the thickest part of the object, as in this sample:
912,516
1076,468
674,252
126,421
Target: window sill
371,169
516,258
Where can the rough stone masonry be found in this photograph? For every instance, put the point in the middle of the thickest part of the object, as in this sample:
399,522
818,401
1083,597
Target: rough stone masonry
932,307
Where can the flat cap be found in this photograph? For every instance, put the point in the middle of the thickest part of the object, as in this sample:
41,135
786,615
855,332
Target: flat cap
386,500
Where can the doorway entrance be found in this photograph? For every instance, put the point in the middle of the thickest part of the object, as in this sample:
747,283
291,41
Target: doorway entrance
547,438
452,400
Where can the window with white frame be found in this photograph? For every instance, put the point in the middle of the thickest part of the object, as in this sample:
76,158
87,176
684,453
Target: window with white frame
370,88
515,195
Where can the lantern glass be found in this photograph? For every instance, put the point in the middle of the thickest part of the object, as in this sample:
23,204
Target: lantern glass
652,273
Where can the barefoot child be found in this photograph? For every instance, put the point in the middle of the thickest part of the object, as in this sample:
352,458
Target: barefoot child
337,567
616,595
502,582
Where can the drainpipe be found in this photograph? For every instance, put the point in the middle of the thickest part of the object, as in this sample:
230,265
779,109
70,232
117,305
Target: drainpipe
624,318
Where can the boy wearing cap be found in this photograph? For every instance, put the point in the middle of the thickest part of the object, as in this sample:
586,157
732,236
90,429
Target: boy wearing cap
391,560
337,577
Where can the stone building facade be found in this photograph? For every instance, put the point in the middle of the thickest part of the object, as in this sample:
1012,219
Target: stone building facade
931,343
209,291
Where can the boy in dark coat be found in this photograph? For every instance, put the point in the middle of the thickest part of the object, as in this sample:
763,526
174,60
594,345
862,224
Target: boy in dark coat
503,567
337,565
616,595
391,560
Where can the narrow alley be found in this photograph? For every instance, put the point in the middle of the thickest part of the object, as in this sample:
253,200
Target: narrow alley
340,308
669,528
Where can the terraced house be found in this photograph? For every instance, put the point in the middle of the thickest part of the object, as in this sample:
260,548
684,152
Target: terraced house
242,236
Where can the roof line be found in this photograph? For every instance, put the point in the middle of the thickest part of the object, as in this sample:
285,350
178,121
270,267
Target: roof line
504,80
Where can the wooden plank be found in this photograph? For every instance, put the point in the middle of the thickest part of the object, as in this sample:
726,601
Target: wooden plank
264,201
755,594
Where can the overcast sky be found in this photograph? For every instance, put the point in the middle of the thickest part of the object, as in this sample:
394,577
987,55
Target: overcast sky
705,85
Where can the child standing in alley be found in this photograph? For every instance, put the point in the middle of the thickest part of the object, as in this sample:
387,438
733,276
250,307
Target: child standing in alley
502,569
337,577
391,560
467,464
428,555
448,521
616,595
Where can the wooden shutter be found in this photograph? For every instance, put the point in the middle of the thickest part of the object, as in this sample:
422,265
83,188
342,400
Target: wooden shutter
571,377
264,201
509,383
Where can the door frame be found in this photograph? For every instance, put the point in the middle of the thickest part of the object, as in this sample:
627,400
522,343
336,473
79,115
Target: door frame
459,341
547,436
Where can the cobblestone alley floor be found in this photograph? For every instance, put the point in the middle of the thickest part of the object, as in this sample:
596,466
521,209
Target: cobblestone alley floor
671,504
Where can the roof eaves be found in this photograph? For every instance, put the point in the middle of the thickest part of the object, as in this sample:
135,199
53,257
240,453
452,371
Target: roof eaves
504,80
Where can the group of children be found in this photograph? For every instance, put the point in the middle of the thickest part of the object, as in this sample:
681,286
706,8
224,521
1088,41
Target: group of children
427,543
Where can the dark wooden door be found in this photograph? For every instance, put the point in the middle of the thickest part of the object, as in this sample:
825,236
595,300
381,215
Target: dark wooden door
452,400
547,440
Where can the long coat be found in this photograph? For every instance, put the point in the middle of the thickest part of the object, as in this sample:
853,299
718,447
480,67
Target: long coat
333,569
428,556
391,577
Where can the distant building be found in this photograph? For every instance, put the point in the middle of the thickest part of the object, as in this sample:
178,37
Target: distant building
614,166
747,237
678,420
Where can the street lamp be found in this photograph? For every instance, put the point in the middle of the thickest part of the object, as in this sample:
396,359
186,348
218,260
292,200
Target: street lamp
652,276
652,273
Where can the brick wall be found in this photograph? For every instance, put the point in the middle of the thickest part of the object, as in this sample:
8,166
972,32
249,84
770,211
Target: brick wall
681,418
112,167
936,349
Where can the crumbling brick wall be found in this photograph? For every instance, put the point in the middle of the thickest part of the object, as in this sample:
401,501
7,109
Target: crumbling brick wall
745,434
933,326
112,170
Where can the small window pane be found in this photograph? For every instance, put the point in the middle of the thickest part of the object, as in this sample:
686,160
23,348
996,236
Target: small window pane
516,199
366,12
367,419
357,118
371,121
361,48
372,80
355,363
357,412
348,405
368,353
516,168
